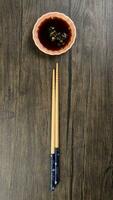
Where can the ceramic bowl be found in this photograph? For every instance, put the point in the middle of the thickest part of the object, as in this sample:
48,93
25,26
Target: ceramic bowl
38,42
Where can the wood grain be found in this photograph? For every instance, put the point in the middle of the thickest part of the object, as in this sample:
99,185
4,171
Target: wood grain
86,103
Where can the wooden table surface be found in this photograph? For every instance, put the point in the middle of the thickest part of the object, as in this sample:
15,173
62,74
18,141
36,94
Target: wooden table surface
86,103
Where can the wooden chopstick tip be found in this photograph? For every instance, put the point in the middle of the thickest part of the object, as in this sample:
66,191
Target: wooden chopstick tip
56,64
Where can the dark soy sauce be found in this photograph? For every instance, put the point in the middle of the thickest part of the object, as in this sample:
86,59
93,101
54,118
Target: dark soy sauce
54,33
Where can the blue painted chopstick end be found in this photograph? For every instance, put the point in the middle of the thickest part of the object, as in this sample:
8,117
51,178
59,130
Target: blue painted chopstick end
52,172
57,166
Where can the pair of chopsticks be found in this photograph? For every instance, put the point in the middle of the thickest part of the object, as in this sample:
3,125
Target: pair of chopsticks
55,150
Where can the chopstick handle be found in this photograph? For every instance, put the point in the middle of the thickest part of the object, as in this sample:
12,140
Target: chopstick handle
57,165
52,172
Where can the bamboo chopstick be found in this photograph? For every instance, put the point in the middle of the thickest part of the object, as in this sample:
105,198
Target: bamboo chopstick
53,134
57,148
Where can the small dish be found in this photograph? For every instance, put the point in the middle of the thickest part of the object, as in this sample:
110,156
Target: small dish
62,47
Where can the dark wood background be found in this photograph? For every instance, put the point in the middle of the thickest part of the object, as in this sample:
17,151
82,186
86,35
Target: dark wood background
86,103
